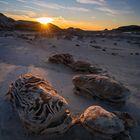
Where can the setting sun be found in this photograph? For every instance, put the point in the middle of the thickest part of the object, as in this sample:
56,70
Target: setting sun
44,20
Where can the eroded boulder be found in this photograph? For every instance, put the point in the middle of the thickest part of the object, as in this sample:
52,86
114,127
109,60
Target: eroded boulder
104,123
76,66
65,59
84,67
100,86
39,106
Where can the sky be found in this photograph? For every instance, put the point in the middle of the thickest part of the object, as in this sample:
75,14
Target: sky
84,14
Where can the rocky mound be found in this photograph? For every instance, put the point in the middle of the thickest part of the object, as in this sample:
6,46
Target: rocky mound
100,86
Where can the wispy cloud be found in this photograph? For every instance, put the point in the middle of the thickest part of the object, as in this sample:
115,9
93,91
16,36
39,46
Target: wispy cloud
103,6
93,17
22,13
113,12
107,11
97,2
80,9
54,6
58,6
22,1
31,7
4,2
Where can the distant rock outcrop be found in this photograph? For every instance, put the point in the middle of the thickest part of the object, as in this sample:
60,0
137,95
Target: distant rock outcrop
129,28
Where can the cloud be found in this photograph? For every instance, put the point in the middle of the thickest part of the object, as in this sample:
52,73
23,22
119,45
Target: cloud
103,6
4,2
33,8
22,13
107,10
93,17
21,0
113,12
80,9
57,6
97,2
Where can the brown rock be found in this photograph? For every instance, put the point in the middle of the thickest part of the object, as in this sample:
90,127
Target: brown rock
39,106
103,123
81,66
100,86
65,59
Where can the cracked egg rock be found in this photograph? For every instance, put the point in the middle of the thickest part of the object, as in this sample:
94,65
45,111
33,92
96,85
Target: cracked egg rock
107,124
39,106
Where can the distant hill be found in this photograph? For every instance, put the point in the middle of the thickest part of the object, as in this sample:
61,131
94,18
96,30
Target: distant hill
7,23
27,25
129,28
71,29
53,28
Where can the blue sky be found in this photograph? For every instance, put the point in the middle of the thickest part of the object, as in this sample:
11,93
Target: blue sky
86,14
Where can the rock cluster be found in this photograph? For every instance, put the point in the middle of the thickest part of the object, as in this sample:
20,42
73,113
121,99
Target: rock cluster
43,111
76,66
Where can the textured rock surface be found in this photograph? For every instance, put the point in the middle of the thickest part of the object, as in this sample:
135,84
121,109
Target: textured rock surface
106,124
127,118
65,59
82,66
100,86
39,106
76,66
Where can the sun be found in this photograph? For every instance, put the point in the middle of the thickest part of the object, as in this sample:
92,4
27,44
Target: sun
44,20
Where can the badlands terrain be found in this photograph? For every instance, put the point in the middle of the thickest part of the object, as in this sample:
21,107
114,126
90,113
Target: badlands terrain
119,56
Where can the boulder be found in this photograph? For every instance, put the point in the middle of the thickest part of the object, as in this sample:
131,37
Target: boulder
84,67
65,59
104,124
39,106
101,86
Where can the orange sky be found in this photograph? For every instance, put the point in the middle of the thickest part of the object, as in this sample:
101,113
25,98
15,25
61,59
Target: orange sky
84,14
59,21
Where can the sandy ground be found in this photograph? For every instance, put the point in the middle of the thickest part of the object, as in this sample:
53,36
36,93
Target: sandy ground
18,56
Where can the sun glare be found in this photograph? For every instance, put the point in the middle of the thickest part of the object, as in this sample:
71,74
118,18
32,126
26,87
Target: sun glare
44,20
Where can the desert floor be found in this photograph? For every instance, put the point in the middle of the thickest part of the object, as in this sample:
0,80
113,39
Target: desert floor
19,56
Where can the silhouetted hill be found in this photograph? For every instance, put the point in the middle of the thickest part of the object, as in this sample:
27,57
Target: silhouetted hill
53,28
7,23
128,28
27,25
71,29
